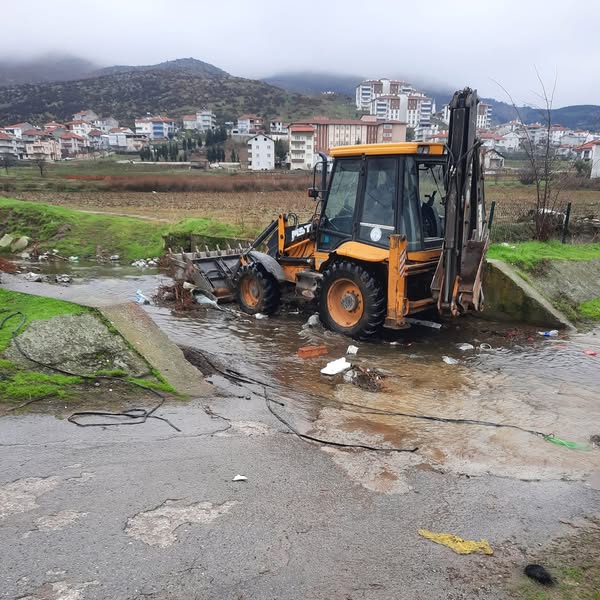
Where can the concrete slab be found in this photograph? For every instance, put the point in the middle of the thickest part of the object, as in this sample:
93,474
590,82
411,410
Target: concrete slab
134,324
509,297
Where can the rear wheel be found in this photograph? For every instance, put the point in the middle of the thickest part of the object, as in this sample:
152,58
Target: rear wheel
257,290
352,300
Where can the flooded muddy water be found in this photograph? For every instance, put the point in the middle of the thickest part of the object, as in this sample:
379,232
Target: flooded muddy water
512,376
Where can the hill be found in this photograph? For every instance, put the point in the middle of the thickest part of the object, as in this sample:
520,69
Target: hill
191,66
51,67
171,91
307,82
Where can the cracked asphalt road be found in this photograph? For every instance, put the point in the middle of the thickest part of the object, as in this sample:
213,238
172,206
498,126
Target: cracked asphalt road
143,512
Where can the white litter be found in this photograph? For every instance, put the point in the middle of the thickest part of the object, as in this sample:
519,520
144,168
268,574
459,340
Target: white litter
33,277
73,258
240,478
140,298
261,316
431,324
313,320
485,346
551,333
464,347
449,360
352,349
336,366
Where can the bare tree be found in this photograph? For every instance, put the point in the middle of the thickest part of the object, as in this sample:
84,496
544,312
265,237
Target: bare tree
7,160
41,164
542,161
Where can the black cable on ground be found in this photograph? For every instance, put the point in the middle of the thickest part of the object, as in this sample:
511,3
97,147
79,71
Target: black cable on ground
311,438
134,416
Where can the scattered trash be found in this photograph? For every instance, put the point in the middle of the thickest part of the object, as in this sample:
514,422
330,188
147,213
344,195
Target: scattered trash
261,316
139,263
312,351
313,320
352,349
539,574
551,333
366,379
591,352
336,366
115,258
140,298
485,346
240,478
449,360
205,298
464,347
431,324
37,277
6,240
64,279
143,263
73,258
25,256
457,544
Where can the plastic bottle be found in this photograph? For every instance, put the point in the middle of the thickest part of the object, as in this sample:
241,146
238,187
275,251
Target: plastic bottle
551,333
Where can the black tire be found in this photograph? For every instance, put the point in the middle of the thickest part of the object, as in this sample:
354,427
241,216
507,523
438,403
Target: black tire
370,319
257,291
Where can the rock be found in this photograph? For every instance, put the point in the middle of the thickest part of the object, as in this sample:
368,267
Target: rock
78,344
6,240
64,279
37,277
20,244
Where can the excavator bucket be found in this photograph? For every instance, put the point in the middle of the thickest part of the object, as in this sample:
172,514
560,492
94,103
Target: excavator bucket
211,271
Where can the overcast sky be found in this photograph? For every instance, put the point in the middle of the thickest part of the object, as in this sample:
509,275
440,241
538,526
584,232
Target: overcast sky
452,42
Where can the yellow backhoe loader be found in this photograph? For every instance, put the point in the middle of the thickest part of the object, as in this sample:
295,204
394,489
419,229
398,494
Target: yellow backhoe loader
397,229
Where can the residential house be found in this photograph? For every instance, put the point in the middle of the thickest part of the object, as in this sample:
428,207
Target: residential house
493,161
52,125
105,124
302,146
261,153
249,124
489,140
18,128
80,127
32,135
143,127
278,126
557,132
584,152
125,140
85,115
155,128
509,142
206,120
43,149
595,158
71,144
95,139
189,122
8,145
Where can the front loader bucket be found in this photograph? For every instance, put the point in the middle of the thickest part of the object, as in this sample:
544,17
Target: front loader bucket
212,271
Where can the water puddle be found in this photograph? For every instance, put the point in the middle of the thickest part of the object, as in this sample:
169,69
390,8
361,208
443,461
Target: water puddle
512,376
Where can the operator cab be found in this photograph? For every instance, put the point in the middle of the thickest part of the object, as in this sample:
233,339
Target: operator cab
377,190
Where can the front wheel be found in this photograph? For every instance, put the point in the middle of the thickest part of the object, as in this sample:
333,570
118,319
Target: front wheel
352,300
257,290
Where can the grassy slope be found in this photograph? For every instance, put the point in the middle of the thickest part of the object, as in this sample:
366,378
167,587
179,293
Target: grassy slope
18,384
528,255
129,237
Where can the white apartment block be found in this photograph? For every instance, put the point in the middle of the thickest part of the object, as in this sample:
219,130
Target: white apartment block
17,129
390,108
302,146
595,158
367,90
419,110
249,124
484,116
261,153
206,120
143,127
278,126
105,124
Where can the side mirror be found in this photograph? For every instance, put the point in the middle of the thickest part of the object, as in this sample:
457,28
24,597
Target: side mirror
313,193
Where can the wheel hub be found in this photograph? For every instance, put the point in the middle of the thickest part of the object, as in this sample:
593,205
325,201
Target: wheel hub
349,301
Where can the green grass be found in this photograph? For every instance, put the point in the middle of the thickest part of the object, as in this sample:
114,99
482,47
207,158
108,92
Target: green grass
590,310
77,233
527,255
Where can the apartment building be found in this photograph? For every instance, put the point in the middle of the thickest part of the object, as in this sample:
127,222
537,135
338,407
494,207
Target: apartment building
261,153
105,124
155,128
302,146
203,120
389,107
419,109
367,91
278,126
249,124
43,149
344,132
71,144
8,145
484,116
80,127
17,129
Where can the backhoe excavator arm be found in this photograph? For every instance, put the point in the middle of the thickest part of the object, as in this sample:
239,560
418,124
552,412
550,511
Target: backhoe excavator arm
456,286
